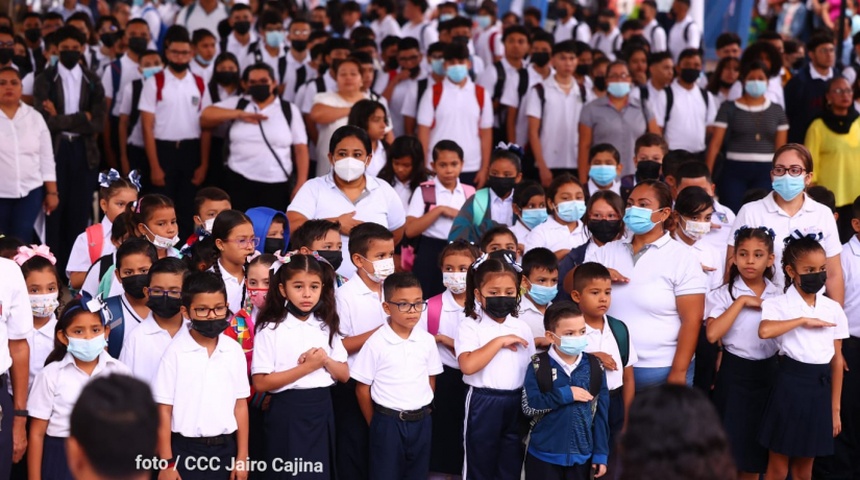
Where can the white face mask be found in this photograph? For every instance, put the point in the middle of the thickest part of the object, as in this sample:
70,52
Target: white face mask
349,169
454,281
381,269
44,305
207,225
161,242
696,230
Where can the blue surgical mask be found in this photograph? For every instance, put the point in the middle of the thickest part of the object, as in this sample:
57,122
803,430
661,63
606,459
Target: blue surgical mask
438,66
202,61
638,220
87,350
542,295
603,175
570,211
445,17
53,59
789,187
618,89
571,345
150,71
137,3
484,21
532,217
755,88
457,73
274,39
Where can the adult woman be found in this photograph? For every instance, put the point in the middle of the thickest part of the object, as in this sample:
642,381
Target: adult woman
348,195
224,85
659,290
788,209
615,119
833,139
370,116
330,110
724,77
26,160
752,128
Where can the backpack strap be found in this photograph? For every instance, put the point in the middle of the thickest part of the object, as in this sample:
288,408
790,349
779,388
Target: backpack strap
622,337
468,190
421,37
201,87
95,241
501,78
287,109
670,101
115,76
320,83
282,69
595,382
134,115
437,97
254,49
541,93
492,44
159,84
480,204
428,194
643,94
189,12
422,87
117,326
523,85
301,77
213,92
223,43
543,371
582,92
104,264
434,313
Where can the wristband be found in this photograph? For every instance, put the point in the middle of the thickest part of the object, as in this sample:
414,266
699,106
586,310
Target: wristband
21,413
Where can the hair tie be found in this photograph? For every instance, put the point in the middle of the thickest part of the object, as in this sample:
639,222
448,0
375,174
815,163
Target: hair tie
477,263
106,179
766,230
26,253
797,235
96,305
511,147
134,179
252,256
135,206
281,260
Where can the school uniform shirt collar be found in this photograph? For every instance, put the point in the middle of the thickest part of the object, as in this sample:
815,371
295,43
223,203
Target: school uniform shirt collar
551,82
495,199
568,369
659,243
371,183
771,206
186,342
615,187
817,76
291,322
751,108
854,245
104,360
361,287
393,338
74,74
796,303
449,84
448,302
527,305
48,328
740,287
151,327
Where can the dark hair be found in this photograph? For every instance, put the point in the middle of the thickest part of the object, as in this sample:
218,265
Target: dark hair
142,210
488,236
238,7
351,7
727,38
199,35
588,272
539,258
106,193
11,69
348,131
362,34
754,194
312,230
421,4
459,247
68,32
135,246
435,47
756,51
741,235
560,181
212,194
274,310
664,198
202,255
512,155
258,66
133,21
269,17
818,39
601,148
855,208
387,5
447,146
476,277
651,140
337,44
407,43
543,36
795,248
800,150
613,199
397,281
674,159
9,245
168,265
558,311
176,34
715,79
659,57
362,234
456,51
692,201
516,30
694,169
689,53
533,12
71,311
221,58
674,433
201,282
358,57
525,190
115,420
361,111
567,46
403,147
631,25
224,223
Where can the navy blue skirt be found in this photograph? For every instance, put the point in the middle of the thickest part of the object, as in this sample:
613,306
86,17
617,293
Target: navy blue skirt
798,419
740,394
55,466
299,428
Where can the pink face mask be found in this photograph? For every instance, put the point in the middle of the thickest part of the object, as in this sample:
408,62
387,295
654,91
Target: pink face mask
258,296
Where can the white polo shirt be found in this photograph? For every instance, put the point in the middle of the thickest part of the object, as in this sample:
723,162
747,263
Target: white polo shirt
79,259
250,155
807,345
521,231
742,338
404,191
604,341
177,115
665,270
678,43
444,198
398,99
27,156
556,236
202,389
488,44
608,43
130,318
386,27
204,72
128,73
320,198
851,270
564,31
398,368
724,217
425,32
689,117
359,308
458,117
450,317
58,386
277,348
292,87
16,315
237,48
489,77
559,115
41,342
512,99
135,137
249,58
199,18
507,369
709,257
532,317
615,187
411,100
143,348
655,34
502,209
235,287
812,217
306,94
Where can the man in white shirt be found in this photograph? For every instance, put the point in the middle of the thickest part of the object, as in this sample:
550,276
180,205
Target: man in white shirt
269,48
417,26
384,23
409,58
299,70
567,27
204,47
653,32
607,38
508,77
685,33
488,41
417,90
539,69
70,7
350,13
202,14
241,35
150,15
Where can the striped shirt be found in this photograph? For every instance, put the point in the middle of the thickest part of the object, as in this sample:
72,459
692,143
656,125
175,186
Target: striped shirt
751,131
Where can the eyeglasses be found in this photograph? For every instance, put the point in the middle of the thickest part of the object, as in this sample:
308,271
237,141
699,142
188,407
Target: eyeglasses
300,33
794,171
181,53
204,312
7,44
405,307
157,292
842,91
245,242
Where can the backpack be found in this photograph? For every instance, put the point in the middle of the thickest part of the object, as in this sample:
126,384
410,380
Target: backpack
134,115
622,337
159,42
670,101
286,108
422,87
543,371
95,241
501,78
159,86
428,193
301,77
115,76
254,49
434,313
117,326
437,97
320,83
541,93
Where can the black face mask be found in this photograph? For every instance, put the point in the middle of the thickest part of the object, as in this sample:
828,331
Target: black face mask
70,58
798,64
273,245
540,58
461,39
334,257
297,312
500,307
605,26
226,78
164,307
600,84
373,15
604,231
210,328
299,45
583,69
178,67
648,170
726,84
33,35
561,12
414,72
260,93
108,39
22,62
137,45
391,63
6,55
317,26
242,27
812,282
134,285
501,186
690,75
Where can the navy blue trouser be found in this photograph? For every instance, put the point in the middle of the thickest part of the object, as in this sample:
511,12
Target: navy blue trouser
493,435
399,450
17,215
198,461
737,178
5,428
539,470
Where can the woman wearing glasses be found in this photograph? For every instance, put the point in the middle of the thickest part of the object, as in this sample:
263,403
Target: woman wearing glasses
788,210
833,139
234,238
748,131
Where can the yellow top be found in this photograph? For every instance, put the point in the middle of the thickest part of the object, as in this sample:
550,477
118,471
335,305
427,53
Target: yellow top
835,160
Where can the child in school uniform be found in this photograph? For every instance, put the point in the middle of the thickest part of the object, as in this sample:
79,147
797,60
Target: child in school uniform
234,238
850,259
395,396
78,356
132,153
445,312
609,341
144,347
499,238
323,237
563,231
208,203
202,388
604,169
493,349
129,309
539,287
567,395
802,415
271,230
748,364
529,208
359,306
405,168
298,356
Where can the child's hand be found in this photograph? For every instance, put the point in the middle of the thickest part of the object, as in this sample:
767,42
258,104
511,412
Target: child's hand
445,340
305,356
511,342
237,474
752,301
837,423
317,358
581,395
599,470
607,360
816,323
708,269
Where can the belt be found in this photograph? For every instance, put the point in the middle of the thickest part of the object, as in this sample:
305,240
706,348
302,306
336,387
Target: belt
616,392
208,441
851,342
404,415
69,137
175,143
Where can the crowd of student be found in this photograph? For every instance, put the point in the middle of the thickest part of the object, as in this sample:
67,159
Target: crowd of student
323,251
